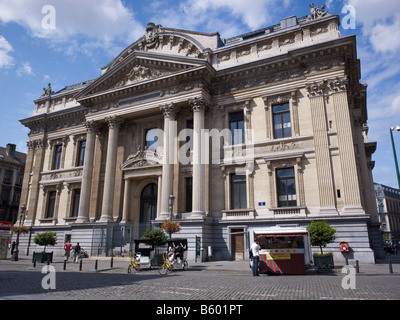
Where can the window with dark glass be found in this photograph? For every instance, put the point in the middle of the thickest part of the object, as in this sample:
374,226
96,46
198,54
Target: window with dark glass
81,153
281,118
188,193
236,125
286,186
51,204
238,191
57,157
8,175
75,202
151,139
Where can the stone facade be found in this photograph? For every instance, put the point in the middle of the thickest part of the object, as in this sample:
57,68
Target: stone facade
299,152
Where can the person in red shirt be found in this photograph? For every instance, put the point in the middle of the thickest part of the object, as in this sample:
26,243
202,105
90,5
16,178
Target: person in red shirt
67,248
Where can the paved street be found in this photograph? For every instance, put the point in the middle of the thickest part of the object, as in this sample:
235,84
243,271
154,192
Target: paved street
203,281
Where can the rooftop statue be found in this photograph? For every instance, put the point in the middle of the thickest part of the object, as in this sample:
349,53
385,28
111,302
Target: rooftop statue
316,12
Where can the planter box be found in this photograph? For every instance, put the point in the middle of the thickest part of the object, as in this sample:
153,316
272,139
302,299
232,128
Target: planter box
324,261
157,260
42,257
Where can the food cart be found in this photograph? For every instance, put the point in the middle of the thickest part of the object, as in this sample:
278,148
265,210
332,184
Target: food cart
283,250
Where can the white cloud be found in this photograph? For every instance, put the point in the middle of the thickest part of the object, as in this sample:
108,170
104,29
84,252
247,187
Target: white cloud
6,60
380,21
96,23
26,69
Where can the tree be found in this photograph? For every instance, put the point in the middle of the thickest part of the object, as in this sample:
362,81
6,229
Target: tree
47,238
157,235
321,233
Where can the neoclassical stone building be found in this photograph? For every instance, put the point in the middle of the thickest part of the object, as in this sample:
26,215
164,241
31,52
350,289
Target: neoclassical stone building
261,130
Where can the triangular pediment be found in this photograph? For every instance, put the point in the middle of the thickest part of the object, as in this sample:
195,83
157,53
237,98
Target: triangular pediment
140,69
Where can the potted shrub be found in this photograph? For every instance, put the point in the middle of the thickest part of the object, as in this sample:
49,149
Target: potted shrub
159,240
45,239
321,234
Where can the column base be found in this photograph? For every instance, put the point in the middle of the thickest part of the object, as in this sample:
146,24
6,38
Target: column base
106,219
197,214
82,220
163,216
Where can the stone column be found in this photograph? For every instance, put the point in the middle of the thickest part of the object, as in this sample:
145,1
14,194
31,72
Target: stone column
351,188
321,143
127,202
198,200
109,180
33,168
169,112
86,186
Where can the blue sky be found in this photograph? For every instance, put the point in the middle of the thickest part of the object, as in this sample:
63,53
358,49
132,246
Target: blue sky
89,33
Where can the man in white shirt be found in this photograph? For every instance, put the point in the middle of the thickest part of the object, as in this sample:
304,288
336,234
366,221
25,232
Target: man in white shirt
255,250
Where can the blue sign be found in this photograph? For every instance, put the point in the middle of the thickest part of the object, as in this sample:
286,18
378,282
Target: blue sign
261,204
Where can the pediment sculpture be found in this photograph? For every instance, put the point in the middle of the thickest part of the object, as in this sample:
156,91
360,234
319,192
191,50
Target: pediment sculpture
141,73
143,158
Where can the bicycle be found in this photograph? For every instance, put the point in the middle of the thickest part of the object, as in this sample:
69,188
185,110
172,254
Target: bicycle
134,265
168,266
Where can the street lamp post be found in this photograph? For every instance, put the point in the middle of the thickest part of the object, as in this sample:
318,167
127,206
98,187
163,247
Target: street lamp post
15,253
171,201
397,128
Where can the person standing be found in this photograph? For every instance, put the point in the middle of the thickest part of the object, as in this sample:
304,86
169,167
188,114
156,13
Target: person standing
67,248
255,250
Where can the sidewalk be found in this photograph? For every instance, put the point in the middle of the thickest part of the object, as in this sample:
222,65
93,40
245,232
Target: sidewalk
120,265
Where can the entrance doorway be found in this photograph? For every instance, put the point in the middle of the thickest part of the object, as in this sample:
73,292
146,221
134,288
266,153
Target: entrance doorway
148,207
237,241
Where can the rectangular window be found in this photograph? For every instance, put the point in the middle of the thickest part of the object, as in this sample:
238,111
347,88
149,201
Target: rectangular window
189,194
51,204
238,191
57,157
281,118
75,202
152,139
236,125
81,153
8,175
286,186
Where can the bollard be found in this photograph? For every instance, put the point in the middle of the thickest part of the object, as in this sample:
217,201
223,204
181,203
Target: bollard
48,260
34,263
65,265
390,266
80,265
347,261
112,262
95,265
357,267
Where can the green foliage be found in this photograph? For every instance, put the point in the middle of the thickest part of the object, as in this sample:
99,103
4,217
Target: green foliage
159,237
321,233
47,238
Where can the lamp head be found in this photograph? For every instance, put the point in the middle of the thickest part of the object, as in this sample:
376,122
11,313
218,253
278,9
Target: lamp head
397,128
171,200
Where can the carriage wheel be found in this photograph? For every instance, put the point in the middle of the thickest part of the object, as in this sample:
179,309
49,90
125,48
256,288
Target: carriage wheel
163,269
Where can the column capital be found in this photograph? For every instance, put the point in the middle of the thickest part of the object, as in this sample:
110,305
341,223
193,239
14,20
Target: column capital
114,122
198,104
169,110
92,126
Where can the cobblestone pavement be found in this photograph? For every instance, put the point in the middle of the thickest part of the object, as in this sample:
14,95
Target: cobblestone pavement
203,281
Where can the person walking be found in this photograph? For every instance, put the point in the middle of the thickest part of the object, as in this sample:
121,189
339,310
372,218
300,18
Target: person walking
255,250
77,251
